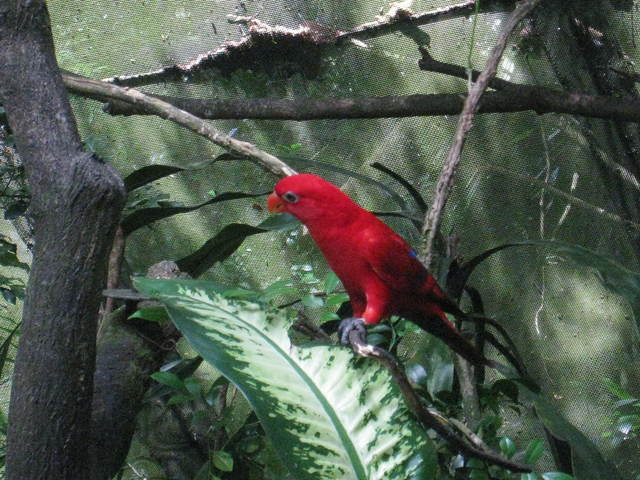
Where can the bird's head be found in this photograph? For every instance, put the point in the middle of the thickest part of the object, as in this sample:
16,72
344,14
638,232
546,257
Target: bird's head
309,198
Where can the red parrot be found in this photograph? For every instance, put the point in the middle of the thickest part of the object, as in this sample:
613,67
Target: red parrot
377,267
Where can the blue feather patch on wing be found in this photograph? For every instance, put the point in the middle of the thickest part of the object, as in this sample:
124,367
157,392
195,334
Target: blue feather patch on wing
413,253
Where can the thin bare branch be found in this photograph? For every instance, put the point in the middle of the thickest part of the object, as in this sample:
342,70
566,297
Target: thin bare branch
169,112
465,122
430,64
397,18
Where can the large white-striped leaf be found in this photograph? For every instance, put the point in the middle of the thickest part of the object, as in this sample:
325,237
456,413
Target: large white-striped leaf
330,414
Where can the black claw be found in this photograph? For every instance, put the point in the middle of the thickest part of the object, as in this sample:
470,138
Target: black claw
350,324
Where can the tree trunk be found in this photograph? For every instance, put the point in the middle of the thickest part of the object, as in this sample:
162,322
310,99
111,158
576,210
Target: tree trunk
76,204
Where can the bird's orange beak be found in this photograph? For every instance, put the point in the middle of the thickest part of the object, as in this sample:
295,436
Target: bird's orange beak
274,203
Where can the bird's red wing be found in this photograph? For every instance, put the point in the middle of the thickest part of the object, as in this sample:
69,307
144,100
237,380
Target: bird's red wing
392,259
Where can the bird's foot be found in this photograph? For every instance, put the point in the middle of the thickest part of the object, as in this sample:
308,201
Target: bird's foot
349,325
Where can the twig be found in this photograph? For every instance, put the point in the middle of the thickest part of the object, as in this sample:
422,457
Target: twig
113,270
401,18
633,76
169,112
468,390
445,182
567,196
430,64
424,416
310,329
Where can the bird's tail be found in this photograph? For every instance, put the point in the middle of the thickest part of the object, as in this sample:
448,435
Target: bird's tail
435,321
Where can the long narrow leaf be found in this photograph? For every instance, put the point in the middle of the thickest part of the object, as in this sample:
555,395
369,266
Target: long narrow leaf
415,194
331,414
217,248
146,216
148,174
227,241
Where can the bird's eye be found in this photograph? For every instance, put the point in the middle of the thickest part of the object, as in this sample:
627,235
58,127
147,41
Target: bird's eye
290,197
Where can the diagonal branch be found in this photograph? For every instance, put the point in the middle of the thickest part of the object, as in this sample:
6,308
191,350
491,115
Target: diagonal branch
472,103
428,419
399,18
167,111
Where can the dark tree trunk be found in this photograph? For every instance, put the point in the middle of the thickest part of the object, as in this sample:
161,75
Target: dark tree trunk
76,203
125,360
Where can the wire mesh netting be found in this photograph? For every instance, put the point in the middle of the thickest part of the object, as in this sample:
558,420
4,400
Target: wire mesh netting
523,177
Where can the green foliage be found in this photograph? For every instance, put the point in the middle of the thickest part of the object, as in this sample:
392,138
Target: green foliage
14,191
295,392
328,417
626,415
143,216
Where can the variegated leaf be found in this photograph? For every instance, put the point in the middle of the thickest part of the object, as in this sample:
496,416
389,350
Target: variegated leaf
330,414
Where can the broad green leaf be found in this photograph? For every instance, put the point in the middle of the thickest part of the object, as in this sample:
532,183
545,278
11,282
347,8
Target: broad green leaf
217,248
152,314
312,301
336,299
556,476
146,216
534,451
179,398
330,282
276,289
330,413
148,174
222,460
227,241
193,386
528,476
283,222
328,316
507,447
169,379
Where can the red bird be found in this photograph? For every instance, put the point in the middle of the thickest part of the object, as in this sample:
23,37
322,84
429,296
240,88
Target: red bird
379,270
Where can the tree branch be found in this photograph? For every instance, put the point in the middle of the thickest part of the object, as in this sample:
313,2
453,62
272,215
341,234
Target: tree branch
472,103
430,64
424,415
398,18
513,98
167,111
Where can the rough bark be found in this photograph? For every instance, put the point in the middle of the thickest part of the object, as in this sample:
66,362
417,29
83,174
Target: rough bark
128,352
125,360
76,203
514,98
